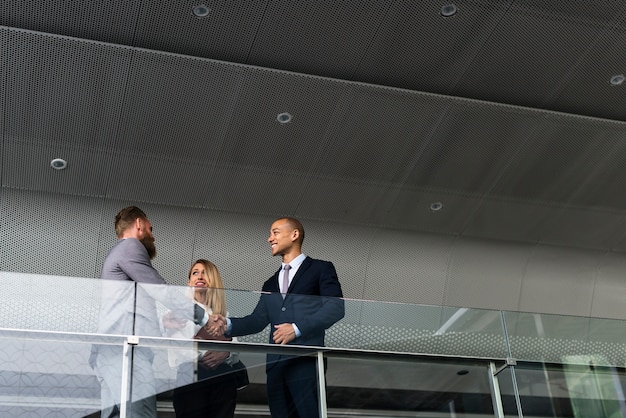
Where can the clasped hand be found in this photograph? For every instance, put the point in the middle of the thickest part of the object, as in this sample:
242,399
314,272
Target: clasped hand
216,325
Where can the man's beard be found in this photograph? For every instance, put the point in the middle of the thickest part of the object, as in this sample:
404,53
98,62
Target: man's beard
148,242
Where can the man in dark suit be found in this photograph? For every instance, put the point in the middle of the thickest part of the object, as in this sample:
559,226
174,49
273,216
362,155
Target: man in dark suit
300,301
128,308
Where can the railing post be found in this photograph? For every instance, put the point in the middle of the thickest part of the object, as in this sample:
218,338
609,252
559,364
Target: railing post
130,342
321,379
496,396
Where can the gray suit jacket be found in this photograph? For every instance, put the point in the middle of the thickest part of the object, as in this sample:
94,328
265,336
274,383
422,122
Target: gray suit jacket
129,291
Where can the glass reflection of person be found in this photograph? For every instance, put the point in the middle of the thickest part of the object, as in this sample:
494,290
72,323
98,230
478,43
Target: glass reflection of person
214,394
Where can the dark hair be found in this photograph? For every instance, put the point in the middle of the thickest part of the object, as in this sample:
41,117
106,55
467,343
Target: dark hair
295,224
126,217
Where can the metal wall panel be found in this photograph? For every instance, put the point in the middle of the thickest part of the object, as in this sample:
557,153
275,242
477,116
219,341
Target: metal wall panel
46,233
486,274
406,267
347,246
237,244
54,234
610,288
559,281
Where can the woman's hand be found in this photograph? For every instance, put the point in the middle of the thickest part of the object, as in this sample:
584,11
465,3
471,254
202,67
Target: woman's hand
212,359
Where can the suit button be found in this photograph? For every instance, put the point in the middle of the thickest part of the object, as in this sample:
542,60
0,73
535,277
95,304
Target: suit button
283,309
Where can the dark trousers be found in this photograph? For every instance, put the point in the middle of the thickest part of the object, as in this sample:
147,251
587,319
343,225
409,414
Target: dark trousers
292,388
214,395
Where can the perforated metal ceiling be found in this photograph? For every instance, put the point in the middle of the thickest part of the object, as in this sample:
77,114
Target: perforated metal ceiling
503,112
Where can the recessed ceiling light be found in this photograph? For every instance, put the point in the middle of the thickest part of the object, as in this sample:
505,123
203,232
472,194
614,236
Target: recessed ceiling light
616,80
283,118
448,10
201,10
436,206
58,164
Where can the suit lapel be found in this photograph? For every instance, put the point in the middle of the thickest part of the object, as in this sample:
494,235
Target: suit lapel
301,271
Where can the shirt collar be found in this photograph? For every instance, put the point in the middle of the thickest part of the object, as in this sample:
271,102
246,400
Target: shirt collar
296,262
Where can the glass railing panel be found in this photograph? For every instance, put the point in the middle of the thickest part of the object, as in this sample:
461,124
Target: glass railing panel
562,391
400,386
566,339
48,374
425,329
121,308
183,384
49,303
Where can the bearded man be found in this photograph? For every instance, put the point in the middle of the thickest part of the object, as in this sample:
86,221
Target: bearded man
128,307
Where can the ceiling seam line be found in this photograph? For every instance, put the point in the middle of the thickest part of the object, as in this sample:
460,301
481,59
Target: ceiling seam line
553,94
367,49
471,63
256,32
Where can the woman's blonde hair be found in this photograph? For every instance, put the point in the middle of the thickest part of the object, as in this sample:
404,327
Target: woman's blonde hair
215,296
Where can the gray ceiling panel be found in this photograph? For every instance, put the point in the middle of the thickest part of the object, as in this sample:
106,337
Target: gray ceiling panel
327,37
529,55
156,178
64,91
227,33
108,21
417,48
588,90
389,129
27,166
472,145
250,190
344,201
255,137
411,209
495,219
186,116
560,161
150,103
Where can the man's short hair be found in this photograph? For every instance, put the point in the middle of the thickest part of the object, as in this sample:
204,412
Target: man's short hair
295,224
126,217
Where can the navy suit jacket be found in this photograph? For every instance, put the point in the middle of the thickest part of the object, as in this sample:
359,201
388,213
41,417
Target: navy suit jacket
313,302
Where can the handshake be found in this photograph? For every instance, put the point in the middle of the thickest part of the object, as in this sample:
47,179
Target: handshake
216,325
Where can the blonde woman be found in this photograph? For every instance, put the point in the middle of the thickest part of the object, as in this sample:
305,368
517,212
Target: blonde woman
214,394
